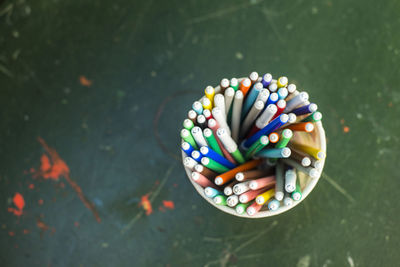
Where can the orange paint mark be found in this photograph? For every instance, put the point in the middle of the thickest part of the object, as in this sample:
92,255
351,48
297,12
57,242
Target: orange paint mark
54,167
145,203
19,202
42,226
169,204
11,233
40,201
26,231
31,186
346,129
85,81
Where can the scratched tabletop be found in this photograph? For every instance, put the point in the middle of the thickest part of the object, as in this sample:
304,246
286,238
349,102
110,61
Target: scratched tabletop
93,94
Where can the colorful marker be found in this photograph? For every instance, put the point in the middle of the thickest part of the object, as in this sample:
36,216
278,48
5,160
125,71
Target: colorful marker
187,148
196,156
314,117
220,200
230,175
188,124
253,209
272,126
198,136
198,107
234,84
279,185
273,138
273,87
231,201
229,94
282,81
285,138
208,134
213,165
264,197
224,84
241,208
241,188
201,180
211,192
290,180
266,80
251,98
245,85
210,92
230,145
310,108
208,152
261,182
257,146
187,137
273,204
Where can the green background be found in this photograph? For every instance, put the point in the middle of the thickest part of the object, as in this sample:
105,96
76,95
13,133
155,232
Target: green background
148,60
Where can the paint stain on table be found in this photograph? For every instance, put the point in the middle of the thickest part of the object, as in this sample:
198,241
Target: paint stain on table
19,203
52,166
146,204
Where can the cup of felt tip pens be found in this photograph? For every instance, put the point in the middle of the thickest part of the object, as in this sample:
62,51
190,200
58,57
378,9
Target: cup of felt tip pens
253,147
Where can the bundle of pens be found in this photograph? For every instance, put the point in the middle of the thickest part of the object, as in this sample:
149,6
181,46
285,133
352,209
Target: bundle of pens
255,146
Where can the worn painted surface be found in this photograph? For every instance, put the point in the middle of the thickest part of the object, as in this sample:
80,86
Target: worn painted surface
106,84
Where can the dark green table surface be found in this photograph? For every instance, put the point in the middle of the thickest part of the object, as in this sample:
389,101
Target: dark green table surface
106,84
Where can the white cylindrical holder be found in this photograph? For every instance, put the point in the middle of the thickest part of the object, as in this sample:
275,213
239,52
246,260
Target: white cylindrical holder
316,139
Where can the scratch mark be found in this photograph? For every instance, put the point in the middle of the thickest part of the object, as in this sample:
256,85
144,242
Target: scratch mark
6,72
338,187
304,261
212,239
272,24
139,19
151,198
222,12
257,236
157,119
350,260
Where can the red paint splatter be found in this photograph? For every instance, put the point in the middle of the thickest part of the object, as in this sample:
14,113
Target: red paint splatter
161,208
85,81
346,129
19,202
40,201
169,204
11,233
26,231
145,203
54,167
31,186
32,170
